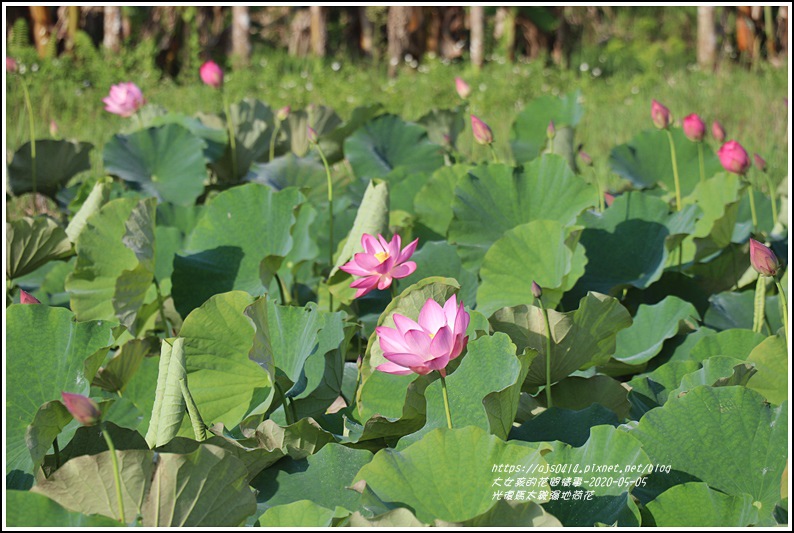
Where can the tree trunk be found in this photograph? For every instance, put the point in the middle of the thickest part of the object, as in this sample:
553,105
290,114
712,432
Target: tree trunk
505,30
367,31
707,38
782,28
41,28
397,35
477,23
317,30
241,42
112,36
299,35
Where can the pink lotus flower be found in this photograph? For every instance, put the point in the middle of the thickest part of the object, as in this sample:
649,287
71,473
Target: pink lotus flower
430,344
11,64
694,127
537,292
380,263
124,99
283,113
763,260
718,131
26,298
462,87
211,74
84,410
760,162
482,133
734,157
660,115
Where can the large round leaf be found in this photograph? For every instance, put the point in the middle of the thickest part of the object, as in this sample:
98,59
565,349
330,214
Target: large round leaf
528,132
388,142
47,352
433,202
239,229
305,173
543,251
564,425
438,258
167,161
26,509
729,437
33,242
697,505
459,462
494,198
302,513
56,163
770,358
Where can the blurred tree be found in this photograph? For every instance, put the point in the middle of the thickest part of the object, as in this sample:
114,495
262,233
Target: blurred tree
42,23
317,30
111,38
397,35
241,41
477,23
707,38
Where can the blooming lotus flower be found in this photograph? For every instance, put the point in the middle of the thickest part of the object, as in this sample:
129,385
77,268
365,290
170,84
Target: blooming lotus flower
482,133
694,127
211,74
124,99
763,259
660,115
429,344
11,64
718,131
760,162
84,410
734,157
462,87
283,113
380,263
26,298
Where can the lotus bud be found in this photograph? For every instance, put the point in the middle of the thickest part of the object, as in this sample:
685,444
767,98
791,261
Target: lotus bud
211,74
694,127
551,131
660,115
585,157
760,163
311,134
53,128
26,298
718,131
11,64
609,198
537,292
283,113
482,133
763,259
734,157
462,87
84,410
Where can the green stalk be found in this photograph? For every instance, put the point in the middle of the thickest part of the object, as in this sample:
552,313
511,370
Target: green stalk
161,307
784,310
599,191
752,206
282,289
700,162
330,219
675,171
57,451
446,399
759,304
772,198
548,353
232,139
289,408
273,141
493,153
29,108
116,476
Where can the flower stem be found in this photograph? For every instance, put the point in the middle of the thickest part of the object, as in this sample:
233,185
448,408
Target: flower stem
116,476
57,451
493,153
330,219
700,161
273,141
784,309
232,139
161,306
289,408
29,108
446,400
772,198
548,353
675,171
759,303
752,206
282,289
599,192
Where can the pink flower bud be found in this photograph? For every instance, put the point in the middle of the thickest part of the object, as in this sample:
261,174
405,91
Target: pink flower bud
26,298
585,157
760,163
84,410
311,134
53,128
763,259
11,64
537,292
660,115
734,157
551,131
482,133
462,87
718,131
283,113
211,74
694,127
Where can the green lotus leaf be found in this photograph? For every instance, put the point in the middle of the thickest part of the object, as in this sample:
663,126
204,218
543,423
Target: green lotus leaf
770,358
565,425
302,513
494,198
26,509
737,343
438,258
330,140
55,164
215,138
99,196
729,437
717,371
528,131
388,142
576,392
33,242
698,505
444,125
47,352
304,173
734,310
433,202
652,389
